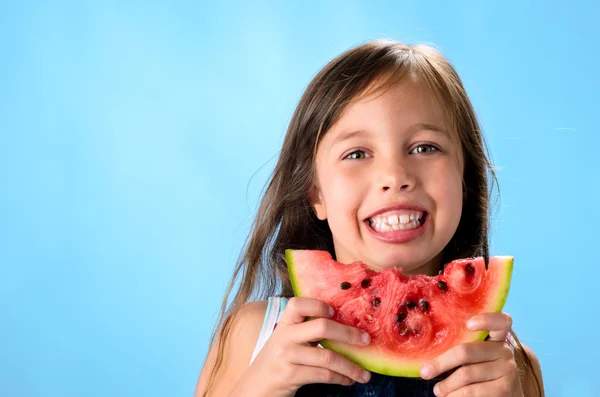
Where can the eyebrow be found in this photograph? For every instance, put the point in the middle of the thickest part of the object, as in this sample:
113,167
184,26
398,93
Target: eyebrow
429,127
346,135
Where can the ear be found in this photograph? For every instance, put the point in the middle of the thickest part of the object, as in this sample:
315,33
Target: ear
317,202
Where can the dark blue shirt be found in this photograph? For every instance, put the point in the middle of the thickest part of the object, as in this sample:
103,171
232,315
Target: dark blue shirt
378,386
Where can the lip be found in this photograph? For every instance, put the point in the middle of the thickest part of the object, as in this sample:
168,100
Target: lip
398,236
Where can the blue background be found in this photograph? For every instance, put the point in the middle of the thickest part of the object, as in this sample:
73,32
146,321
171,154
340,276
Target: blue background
135,138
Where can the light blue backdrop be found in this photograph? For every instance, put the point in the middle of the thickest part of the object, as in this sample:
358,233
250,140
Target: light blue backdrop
130,133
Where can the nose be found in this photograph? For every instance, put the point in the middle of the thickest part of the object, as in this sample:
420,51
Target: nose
396,175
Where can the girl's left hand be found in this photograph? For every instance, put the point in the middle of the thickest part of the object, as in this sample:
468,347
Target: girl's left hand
487,368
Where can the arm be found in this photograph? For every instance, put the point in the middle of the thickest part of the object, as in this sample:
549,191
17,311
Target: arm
287,361
239,346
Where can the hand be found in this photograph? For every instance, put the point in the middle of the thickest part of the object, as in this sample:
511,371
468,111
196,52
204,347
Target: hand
487,368
291,359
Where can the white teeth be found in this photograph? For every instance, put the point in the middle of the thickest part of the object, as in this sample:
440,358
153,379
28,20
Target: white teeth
383,227
388,223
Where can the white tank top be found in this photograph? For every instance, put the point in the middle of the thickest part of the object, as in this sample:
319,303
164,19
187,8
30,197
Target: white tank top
275,308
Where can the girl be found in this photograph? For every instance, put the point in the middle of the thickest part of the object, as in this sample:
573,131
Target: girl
383,133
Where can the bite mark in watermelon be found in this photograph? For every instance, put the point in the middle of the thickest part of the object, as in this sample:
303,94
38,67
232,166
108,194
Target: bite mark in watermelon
411,319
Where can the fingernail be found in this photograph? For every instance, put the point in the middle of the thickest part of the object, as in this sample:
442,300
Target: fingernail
436,390
366,338
426,371
472,324
331,311
366,376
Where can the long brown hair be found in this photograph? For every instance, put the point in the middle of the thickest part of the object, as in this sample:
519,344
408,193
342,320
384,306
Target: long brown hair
285,218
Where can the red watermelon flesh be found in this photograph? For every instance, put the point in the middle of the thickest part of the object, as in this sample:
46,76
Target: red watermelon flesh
411,319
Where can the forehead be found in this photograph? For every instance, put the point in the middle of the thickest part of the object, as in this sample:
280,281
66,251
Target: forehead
402,104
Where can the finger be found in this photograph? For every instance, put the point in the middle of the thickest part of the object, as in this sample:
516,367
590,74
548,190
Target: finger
305,375
322,328
498,324
298,308
468,374
498,387
325,358
466,353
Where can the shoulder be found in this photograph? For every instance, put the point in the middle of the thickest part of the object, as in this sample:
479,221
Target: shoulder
530,385
247,322
252,312
245,328
237,349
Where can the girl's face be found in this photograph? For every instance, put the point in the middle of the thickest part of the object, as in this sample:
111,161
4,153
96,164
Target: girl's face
389,180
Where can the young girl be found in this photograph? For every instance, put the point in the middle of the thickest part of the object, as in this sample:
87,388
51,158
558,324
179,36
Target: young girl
383,162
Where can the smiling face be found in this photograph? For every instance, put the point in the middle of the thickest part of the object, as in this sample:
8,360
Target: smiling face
389,180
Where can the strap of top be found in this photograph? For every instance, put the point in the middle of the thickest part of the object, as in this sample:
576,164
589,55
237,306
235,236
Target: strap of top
275,307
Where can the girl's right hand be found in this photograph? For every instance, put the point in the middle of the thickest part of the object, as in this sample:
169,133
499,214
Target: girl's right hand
291,359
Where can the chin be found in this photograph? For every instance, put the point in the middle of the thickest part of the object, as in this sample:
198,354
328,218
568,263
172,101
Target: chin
408,260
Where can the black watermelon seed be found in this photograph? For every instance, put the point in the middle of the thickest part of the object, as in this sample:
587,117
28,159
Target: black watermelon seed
411,304
403,331
442,285
401,317
365,283
345,285
424,305
376,302
469,268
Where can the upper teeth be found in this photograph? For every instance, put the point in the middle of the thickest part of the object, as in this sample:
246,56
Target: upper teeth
398,219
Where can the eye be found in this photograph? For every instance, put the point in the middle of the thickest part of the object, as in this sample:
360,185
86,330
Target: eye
425,148
356,155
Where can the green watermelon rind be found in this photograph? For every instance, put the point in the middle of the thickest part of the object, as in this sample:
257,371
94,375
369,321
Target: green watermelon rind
391,366
289,258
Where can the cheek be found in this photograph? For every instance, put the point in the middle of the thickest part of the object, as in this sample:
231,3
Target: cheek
449,195
340,184
342,195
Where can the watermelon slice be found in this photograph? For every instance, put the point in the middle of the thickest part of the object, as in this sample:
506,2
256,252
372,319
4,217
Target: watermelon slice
411,319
